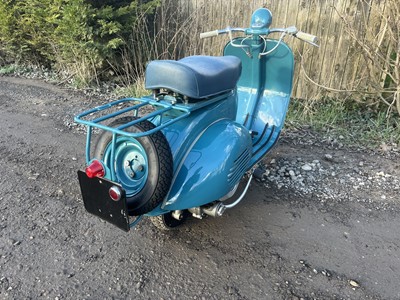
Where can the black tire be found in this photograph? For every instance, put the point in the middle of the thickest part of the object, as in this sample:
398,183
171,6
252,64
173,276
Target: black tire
159,165
167,221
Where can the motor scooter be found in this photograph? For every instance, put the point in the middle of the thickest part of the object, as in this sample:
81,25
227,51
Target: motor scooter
183,150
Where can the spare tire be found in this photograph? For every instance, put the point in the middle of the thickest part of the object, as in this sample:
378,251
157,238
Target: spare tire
143,166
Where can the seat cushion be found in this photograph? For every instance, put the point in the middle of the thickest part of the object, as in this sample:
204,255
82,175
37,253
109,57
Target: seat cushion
194,76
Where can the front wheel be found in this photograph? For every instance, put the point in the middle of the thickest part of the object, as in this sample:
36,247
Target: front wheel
143,166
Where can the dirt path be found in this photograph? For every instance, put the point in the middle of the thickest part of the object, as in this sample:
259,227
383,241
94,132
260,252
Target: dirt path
322,224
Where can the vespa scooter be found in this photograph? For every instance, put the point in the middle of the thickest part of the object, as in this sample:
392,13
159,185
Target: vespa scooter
184,149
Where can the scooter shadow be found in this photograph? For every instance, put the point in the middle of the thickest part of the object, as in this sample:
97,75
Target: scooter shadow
250,220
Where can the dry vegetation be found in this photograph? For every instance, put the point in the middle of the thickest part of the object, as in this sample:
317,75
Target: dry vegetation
357,62
358,58
379,48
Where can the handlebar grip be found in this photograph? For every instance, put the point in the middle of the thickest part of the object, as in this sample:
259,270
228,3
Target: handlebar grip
208,34
307,37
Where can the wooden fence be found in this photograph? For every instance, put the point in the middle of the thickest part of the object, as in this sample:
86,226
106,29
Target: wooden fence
338,63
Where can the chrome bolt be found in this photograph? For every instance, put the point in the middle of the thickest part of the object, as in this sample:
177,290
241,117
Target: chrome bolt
127,163
132,174
140,168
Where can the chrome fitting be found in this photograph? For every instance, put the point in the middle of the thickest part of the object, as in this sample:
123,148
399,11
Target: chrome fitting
197,212
216,210
177,214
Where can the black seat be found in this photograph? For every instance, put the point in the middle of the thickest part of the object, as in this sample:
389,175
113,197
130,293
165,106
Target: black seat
194,76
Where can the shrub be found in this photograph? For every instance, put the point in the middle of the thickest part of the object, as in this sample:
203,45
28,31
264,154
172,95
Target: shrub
81,37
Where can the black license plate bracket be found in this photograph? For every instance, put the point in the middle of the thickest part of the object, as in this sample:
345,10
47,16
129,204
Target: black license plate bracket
95,194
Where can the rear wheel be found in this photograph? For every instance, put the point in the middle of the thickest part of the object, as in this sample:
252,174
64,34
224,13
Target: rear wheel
167,221
143,166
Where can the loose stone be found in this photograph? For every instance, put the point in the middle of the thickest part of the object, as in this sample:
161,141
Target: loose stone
306,167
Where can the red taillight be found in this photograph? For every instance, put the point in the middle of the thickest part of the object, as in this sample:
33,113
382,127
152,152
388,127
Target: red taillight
115,193
95,169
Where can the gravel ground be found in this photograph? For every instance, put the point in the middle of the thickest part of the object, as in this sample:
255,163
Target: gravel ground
320,222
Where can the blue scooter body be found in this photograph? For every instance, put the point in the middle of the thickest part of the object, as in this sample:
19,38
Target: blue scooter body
218,138
224,151
264,90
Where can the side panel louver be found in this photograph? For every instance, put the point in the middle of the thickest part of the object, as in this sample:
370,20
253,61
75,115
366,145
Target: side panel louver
239,167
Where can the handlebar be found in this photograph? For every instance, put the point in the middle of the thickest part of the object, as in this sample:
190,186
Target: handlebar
306,37
208,34
220,31
309,38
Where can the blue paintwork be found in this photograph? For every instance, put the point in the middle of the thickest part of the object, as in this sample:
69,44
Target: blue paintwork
263,90
128,150
214,164
182,134
212,133
261,19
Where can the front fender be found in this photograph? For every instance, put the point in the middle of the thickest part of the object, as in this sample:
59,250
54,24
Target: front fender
213,165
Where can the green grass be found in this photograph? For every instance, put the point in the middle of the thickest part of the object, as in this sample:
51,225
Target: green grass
357,125
10,69
135,90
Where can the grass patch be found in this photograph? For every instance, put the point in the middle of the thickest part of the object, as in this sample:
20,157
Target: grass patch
357,125
134,90
5,70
